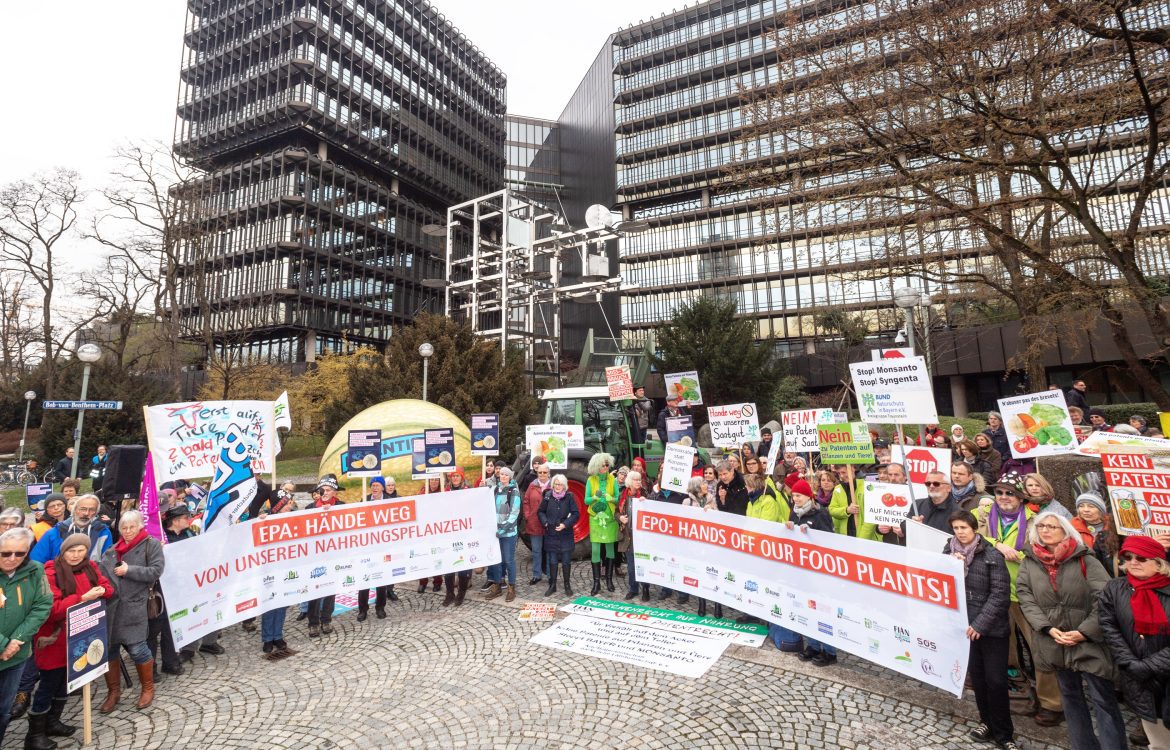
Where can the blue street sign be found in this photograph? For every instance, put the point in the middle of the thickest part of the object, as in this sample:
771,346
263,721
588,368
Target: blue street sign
106,405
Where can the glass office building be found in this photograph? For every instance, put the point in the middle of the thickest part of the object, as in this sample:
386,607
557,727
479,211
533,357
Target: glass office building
330,134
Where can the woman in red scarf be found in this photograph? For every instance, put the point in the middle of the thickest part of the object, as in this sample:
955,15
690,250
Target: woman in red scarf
1057,586
1135,618
134,566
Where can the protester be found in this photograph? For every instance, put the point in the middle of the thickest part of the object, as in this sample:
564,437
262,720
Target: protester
56,510
489,475
377,492
176,523
1057,587
762,503
10,518
826,483
731,493
936,509
957,433
967,487
1133,612
507,504
272,642
764,447
72,578
134,566
711,480
847,509
1077,395
640,410
558,514
808,515
455,585
99,463
64,467
1139,423
746,453
321,610
601,495
27,601
672,410
1098,421
799,471
967,452
990,455
625,514
533,496
1038,494
695,497
997,433
988,589
81,522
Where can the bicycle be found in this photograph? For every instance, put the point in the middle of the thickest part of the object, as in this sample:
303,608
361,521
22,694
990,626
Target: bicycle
16,475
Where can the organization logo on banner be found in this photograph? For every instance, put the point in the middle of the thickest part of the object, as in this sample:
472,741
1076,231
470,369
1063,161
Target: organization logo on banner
902,634
235,486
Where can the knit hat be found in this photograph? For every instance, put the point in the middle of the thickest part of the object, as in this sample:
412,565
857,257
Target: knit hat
328,481
456,473
801,487
1143,546
1014,481
378,480
51,497
1091,498
83,539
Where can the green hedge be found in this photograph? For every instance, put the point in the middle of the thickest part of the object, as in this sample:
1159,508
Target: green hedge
970,427
302,446
1114,413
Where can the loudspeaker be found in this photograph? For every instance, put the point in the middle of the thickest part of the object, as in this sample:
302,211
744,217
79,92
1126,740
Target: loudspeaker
124,469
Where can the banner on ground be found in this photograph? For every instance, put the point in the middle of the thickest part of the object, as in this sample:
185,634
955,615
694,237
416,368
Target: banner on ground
918,461
186,438
845,443
485,434
676,468
554,441
631,642
681,430
1038,424
894,391
537,612
1100,441
886,504
364,451
619,382
733,425
900,608
743,633
685,387
87,643
1139,491
800,428
215,580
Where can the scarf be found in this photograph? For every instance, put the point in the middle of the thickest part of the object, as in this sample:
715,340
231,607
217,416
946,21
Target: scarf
823,498
960,493
967,552
122,547
1149,618
997,519
1054,559
802,511
67,575
560,495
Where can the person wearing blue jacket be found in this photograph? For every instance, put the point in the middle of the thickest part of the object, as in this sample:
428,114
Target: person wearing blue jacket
83,521
507,497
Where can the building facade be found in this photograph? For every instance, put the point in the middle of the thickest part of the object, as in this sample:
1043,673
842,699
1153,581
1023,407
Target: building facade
330,134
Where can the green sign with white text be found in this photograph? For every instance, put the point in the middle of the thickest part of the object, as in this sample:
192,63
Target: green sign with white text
846,443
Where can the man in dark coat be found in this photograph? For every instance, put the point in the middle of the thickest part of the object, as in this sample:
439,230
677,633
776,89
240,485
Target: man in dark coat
1075,396
672,410
936,511
731,493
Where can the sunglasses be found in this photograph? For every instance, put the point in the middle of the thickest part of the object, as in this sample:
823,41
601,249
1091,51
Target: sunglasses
933,484
1004,493
13,554
1125,557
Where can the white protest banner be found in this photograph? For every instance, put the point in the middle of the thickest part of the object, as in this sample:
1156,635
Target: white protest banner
925,538
185,438
743,633
773,455
1139,491
800,428
627,642
619,382
685,387
214,580
918,462
733,425
1038,424
886,504
1099,442
554,441
676,467
894,391
900,608
282,412
897,352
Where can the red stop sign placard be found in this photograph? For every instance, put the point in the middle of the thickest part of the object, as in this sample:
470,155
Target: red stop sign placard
919,462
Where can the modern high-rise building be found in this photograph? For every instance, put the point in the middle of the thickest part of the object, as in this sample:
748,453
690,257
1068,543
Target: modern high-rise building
330,134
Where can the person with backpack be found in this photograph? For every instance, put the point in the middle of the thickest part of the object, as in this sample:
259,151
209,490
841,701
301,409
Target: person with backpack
508,504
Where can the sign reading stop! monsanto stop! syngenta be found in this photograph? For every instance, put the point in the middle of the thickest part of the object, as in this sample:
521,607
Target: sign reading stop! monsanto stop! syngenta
846,443
918,462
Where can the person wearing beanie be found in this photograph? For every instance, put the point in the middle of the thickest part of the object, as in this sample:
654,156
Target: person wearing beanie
455,584
807,514
320,612
1090,518
56,510
1098,421
381,593
83,521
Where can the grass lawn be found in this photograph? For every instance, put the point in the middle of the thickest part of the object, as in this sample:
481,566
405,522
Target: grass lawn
16,496
297,467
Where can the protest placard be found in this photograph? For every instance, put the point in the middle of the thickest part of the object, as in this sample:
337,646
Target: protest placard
900,608
35,494
733,425
619,382
440,450
282,412
894,391
685,387
87,643
186,438
1098,442
215,580
918,461
537,612
485,434
418,458
1139,491
1038,424
364,453
886,504
681,430
676,467
925,538
846,443
554,441
800,428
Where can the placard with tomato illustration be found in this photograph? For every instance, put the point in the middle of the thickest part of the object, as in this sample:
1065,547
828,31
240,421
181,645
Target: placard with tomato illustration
886,504
1038,424
685,387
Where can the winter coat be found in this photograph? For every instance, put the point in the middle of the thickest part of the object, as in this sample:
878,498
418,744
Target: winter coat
737,496
818,519
994,460
127,619
42,526
661,423
508,502
981,466
1074,397
554,512
763,505
625,508
1149,699
532,498
935,516
49,546
839,510
1072,606
1006,536
600,501
999,441
988,588
49,642
27,601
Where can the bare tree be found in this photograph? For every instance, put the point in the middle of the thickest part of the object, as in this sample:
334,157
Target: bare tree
120,295
18,326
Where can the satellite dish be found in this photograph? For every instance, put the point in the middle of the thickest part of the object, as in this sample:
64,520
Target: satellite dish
598,216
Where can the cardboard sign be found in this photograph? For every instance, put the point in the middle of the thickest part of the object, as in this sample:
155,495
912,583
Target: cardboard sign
800,428
36,494
681,430
895,391
537,612
676,467
485,434
1139,491
619,382
685,387
1038,424
918,461
87,643
848,443
886,504
440,450
733,425
365,453
925,538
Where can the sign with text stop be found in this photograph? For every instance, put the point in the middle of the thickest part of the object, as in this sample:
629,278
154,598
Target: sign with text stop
919,461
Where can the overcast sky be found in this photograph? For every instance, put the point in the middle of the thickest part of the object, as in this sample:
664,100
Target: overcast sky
79,76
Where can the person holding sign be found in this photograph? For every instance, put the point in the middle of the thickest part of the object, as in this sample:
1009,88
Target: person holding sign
625,515
454,584
377,492
27,601
808,515
56,510
508,503
601,496
73,578
558,514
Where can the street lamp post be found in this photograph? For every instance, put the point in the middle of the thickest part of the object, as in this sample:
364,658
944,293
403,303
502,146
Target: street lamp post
425,350
87,353
28,399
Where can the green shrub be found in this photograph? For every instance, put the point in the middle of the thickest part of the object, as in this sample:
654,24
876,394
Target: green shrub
302,446
970,427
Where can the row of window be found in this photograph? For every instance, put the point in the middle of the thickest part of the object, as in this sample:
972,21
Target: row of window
694,63
678,132
753,12
722,88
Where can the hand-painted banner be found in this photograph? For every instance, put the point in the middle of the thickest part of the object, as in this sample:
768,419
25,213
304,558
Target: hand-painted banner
215,580
185,438
733,425
619,382
676,467
800,428
900,608
234,487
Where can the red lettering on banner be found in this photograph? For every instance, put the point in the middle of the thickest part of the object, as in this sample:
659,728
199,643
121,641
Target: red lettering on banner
282,528
1127,461
904,580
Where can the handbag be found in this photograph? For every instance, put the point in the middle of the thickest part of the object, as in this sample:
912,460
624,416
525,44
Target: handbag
154,602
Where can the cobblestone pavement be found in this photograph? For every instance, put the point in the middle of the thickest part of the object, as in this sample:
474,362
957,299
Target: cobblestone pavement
435,677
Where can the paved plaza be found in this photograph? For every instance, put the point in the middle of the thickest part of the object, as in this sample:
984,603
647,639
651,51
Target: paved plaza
435,677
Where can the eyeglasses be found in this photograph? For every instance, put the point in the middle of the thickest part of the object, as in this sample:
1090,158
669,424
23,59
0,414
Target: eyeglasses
1047,526
1125,557
13,554
934,484
1004,493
